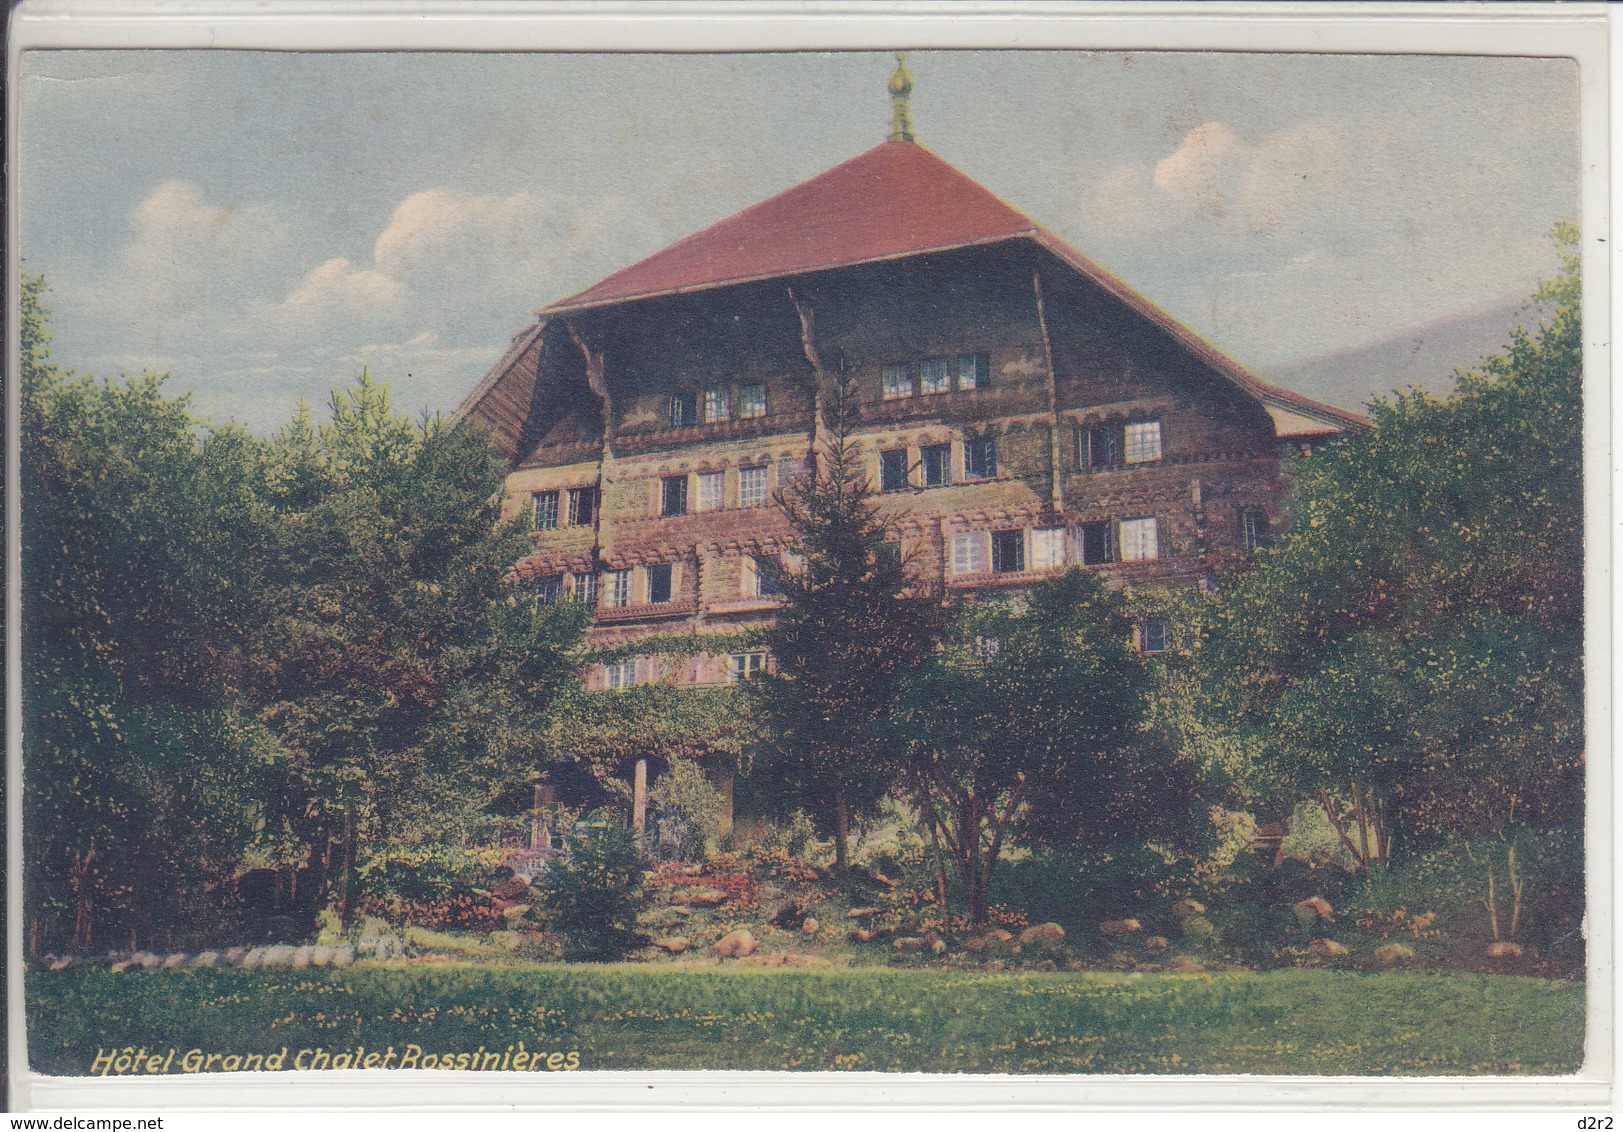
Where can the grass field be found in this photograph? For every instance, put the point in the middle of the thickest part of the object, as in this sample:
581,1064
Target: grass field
1296,1022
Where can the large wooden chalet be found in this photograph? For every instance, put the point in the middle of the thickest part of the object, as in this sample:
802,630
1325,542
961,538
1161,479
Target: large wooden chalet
1022,409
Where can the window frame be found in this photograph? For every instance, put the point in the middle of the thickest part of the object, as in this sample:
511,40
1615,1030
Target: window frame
536,521
1154,529
715,406
548,588
621,674
743,665
1127,434
888,458
1105,529
945,453
680,485
1148,628
664,572
896,381
1003,544
980,371
1055,549
716,480
985,447
684,410
1254,528
744,499
972,549
1094,441
751,407
583,584
582,514
763,584
936,375
617,588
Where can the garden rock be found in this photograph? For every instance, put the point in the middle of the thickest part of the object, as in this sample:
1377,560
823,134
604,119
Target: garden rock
1394,954
178,959
862,913
909,943
862,935
206,959
233,956
1199,927
1042,934
301,957
675,944
1119,927
58,963
281,955
994,940
343,956
1504,949
1155,943
810,925
1183,909
735,944
1327,949
700,897
323,953
1312,910
146,960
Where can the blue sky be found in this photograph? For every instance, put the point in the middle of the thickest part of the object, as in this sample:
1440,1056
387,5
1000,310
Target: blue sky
262,225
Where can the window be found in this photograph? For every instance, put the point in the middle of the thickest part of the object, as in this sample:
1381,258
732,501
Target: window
1008,551
1153,634
711,487
1138,540
937,461
717,405
935,375
622,674
1096,447
547,588
1254,528
763,581
980,458
969,553
1097,545
659,583
1048,548
898,381
586,588
619,587
582,506
751,487
545,510
973,371
752,401
743,665
1143,441
684,410
893,470
986,648
790,469
674,496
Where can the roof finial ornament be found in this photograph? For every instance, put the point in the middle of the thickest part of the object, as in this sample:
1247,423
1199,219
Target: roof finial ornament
901,89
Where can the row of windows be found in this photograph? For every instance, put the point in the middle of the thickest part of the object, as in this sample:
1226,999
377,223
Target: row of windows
933,468
1105,446
546,515
636,670
714,405
707,491
652,585
1047,548
935,375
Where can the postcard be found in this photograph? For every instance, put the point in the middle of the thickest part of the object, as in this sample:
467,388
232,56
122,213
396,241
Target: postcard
559,552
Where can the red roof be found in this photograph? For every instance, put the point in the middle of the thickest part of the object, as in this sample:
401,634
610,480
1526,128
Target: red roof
898,199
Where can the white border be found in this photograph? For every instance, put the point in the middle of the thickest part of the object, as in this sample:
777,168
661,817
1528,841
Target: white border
1580,31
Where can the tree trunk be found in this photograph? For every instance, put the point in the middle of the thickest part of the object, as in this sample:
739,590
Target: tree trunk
842,833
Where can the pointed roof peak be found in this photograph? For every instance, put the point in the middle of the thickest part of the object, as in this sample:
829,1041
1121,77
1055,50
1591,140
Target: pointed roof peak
897,199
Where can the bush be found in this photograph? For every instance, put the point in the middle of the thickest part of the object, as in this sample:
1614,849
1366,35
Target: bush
429,885
792,834
592,897
689,811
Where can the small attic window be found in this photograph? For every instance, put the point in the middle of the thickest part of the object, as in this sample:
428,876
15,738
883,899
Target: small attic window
684,410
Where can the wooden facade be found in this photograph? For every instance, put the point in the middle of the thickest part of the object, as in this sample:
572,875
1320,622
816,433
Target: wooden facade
1023,409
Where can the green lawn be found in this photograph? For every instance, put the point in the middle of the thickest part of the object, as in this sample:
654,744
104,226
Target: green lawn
641,1017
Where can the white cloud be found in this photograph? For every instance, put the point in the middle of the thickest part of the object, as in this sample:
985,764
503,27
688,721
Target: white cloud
338,286
186,247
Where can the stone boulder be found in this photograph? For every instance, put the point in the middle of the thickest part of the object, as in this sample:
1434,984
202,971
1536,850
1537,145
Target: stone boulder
1504,949
301,957
908,943
1042,935
862,913
992,940
810,925
1183,909
1327,949
206,959
675,944
1312,910
735,944
343,956
1394,954
1119,927
1155,943
178,959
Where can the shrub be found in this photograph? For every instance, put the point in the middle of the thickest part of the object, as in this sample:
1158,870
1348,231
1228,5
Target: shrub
429,885
689,811
592,897
792,834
